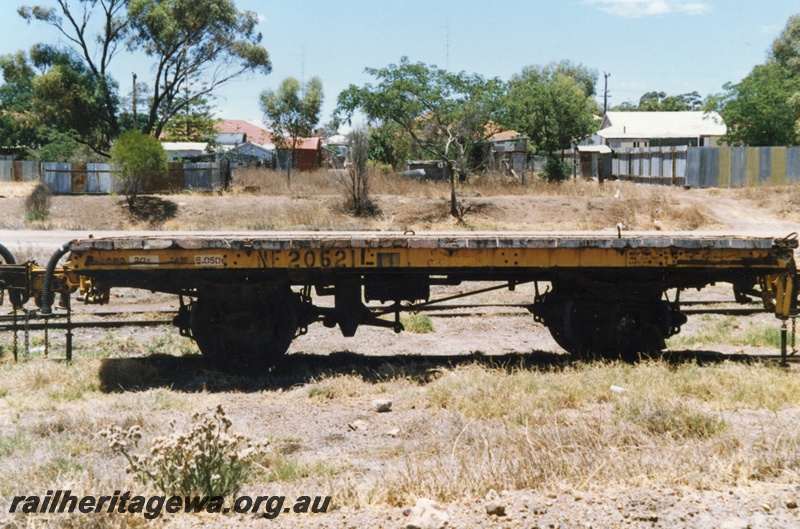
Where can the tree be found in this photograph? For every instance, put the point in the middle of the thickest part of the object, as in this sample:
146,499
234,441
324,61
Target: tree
198,43
549,107
293,114
16,102
135,157
786,48
389,145
445,114
50,94
74,26
786,52
583,76
661,102
759,110
195,123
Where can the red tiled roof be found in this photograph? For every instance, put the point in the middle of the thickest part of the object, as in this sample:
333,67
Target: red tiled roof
252,133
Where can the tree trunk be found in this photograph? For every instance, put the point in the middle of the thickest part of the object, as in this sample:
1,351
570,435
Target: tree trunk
289,168
453,203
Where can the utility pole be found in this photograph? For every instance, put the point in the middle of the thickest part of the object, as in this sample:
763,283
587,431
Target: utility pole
135,118
605,93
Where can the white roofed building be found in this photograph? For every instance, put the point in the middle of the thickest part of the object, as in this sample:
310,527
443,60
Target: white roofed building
661,129
183,149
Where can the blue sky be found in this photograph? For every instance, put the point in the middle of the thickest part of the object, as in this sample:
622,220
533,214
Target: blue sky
675,46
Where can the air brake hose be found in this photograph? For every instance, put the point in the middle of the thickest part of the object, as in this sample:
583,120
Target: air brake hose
6,254
14,297
47,284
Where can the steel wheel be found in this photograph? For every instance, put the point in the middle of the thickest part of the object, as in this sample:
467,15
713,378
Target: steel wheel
245,336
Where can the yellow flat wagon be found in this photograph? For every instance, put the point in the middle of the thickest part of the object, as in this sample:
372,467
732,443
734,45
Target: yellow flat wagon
248,295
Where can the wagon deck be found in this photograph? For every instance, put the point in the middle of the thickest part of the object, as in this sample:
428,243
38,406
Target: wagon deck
246,296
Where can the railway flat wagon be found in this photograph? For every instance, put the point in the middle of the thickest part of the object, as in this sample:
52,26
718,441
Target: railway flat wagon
245,297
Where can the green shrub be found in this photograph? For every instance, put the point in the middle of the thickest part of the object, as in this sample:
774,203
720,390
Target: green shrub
556,169
137,157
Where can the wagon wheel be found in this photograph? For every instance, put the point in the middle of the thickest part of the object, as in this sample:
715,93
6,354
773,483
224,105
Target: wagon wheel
588,327
245,337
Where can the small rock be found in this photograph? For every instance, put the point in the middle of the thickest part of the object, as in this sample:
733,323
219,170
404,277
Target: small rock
426,514
618,389
791,503
394,432
498,509
358,425
382,405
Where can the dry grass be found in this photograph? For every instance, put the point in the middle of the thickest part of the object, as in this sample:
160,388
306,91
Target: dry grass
260,200
566,430
729,330
782,200
464,430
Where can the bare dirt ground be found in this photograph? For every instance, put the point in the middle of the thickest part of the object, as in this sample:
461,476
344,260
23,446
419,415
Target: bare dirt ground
487,414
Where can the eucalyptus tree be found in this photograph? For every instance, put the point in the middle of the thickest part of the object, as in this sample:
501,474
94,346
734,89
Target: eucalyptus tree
200,44
447,115
293,112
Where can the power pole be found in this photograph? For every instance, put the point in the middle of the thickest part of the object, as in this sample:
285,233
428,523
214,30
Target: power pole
135,117
605,93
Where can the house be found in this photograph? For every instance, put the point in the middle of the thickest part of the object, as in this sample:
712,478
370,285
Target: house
508,152
232,132
245,142
661,129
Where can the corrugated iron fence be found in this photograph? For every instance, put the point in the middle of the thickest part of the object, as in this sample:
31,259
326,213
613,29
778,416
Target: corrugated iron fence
653,165
742,166
97,178
708,166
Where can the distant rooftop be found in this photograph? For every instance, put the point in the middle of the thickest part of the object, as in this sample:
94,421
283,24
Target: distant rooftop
636,125
253,131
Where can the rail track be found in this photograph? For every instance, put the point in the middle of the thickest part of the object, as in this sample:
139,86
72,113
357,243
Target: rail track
111,319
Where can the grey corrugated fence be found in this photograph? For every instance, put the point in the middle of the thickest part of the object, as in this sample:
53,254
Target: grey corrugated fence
708,166
654,165
97,178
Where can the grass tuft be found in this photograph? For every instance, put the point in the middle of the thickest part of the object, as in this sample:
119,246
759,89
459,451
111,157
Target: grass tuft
417,323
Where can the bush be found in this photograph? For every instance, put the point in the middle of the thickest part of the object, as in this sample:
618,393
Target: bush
206,460
136,157
355,183
37,204
556,169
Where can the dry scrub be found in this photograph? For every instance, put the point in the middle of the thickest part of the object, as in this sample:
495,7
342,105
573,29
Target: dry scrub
463,430
260,200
